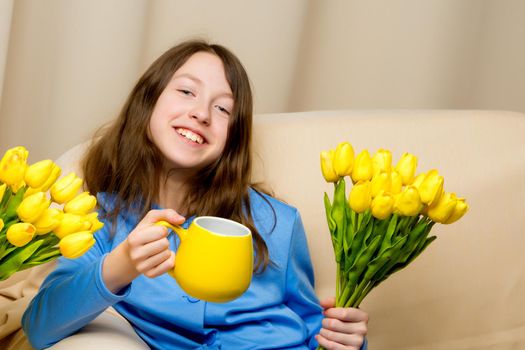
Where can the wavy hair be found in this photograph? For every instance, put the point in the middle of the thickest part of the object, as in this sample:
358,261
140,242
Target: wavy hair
124,161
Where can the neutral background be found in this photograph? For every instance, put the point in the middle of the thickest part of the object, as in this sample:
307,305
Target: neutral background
66,66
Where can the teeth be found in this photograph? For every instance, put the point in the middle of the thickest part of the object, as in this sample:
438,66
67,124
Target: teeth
190,135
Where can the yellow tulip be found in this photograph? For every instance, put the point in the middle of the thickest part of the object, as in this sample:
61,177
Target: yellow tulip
66,188
3,187
431,187
32,207
361,196
343,159
382,161
459,210
1,224
327,166
396,183
20,234
13,166
76,244
382,205
408,202
406,167
443,209
53,176
362,167
381,182
418,180
48,221
37,173
69,224
81,204
95,223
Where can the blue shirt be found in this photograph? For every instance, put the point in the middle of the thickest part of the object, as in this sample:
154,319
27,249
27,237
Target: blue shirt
278,311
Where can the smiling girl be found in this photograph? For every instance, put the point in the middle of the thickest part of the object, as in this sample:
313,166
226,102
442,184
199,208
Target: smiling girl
180,148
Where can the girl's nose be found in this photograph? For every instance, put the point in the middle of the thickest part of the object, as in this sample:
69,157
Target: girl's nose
201,113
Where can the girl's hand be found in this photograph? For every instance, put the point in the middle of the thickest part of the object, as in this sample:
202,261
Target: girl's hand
148,245
343,328
145,251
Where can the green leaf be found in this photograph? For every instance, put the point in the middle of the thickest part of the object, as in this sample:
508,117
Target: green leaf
362,260
14,202
328,209
12,262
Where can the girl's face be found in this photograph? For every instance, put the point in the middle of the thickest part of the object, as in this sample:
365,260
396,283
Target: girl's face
189,123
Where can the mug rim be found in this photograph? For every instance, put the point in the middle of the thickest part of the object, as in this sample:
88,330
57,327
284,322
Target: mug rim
248,231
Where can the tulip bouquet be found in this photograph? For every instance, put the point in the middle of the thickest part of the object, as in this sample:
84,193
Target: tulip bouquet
386,220
32,232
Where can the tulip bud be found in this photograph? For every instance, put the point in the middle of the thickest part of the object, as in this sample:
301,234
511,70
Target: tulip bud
406,167
81,204
20,234
381,182
327,167
418,180
360,196
362,167
382,161
431,188
48,221
76,244
3,187
37,173
13,166
1,224
382,205
396,183
69,224
53,176
408,202
95,223
459,210
32,207
66,188
343,159
442,210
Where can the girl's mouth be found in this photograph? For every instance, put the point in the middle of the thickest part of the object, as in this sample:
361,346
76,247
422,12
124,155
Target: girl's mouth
190,135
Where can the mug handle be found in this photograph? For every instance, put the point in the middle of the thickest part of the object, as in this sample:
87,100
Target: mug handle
181,232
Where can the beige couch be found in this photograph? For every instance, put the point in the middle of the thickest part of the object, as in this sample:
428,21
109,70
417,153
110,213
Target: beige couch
467,291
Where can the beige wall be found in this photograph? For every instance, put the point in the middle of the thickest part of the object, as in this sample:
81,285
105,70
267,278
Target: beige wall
69,64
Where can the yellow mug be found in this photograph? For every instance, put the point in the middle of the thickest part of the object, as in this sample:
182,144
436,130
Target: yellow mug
214,261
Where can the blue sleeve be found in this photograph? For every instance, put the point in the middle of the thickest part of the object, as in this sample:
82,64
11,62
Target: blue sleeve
300,293
70,297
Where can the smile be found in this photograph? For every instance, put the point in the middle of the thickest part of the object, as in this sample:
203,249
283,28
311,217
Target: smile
190,135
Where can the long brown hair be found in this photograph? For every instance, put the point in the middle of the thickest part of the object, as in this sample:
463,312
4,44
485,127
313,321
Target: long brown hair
123,161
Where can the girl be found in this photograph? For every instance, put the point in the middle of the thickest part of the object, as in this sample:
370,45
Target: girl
180,148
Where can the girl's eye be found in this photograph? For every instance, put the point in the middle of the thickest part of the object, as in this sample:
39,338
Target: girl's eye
222,109
186,92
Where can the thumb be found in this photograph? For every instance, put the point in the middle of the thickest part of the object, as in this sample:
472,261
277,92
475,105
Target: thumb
327,303
169,215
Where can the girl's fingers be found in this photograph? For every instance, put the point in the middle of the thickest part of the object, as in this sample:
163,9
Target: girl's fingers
142,252
153,261
332,345
162,268
336,325
347,314
154,216
143,235
327,303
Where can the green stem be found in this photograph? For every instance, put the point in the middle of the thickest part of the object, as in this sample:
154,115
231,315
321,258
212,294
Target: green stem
365,292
